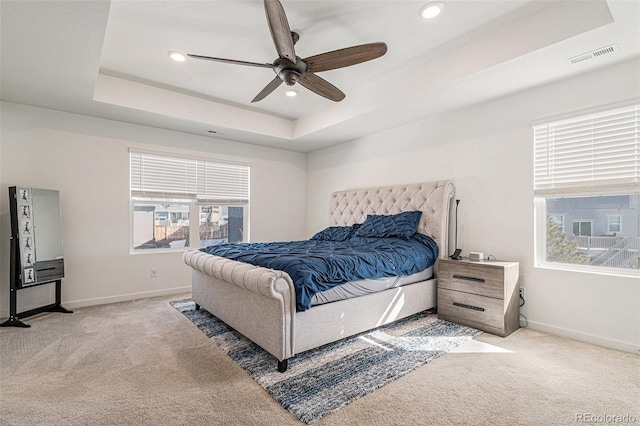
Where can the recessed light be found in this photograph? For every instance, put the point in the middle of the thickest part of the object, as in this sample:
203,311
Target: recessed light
291,93
431,10
177,56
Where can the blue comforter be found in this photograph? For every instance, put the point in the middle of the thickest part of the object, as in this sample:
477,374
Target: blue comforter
317,265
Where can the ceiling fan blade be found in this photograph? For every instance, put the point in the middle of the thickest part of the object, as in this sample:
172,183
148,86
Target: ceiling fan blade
322,87
230,61
345,57
280,31
268,89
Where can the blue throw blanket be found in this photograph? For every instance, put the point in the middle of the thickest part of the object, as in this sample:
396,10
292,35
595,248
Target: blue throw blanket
318,265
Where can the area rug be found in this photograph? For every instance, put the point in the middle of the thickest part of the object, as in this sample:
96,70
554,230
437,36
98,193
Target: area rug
325,379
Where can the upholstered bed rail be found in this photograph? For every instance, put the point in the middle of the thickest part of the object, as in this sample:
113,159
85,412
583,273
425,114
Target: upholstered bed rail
263,281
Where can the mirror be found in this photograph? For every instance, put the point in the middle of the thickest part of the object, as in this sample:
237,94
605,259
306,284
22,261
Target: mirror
47,224
39,235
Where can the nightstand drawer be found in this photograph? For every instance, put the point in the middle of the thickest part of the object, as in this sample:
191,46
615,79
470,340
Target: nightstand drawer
472,278
464,307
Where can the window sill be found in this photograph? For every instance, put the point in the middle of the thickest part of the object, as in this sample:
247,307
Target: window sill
612,272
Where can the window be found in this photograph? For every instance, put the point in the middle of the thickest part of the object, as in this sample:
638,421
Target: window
179,202
587,173
614,224
582,229
221,224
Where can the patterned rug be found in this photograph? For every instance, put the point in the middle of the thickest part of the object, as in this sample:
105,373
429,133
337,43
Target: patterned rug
325,379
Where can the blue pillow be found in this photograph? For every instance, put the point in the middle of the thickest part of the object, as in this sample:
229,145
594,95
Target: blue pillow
402,225
333,233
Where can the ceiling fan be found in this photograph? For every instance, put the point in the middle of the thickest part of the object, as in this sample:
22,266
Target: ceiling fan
291,69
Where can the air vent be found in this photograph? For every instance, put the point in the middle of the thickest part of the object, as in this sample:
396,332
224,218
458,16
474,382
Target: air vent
594,54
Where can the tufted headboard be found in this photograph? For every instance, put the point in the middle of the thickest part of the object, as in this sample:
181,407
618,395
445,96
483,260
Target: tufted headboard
432,198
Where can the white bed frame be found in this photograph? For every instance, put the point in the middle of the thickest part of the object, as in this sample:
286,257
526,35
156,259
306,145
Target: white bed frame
260,303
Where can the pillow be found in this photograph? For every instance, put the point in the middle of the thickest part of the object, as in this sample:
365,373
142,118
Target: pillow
402,225
333,233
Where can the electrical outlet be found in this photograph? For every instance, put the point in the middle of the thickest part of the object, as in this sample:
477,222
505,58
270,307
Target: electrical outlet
521,290
154,273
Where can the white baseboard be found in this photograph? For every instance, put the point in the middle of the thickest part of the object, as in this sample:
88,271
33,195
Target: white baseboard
111,299
585,337
124,297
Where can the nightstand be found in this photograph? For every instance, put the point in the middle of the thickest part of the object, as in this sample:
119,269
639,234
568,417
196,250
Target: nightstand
481,294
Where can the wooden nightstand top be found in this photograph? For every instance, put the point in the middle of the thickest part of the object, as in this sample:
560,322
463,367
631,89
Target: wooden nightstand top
487,263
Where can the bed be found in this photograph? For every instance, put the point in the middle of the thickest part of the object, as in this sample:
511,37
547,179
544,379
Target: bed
260,302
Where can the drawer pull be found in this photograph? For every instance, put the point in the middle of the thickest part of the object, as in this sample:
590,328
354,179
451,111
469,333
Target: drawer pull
462,277
462,305
51,268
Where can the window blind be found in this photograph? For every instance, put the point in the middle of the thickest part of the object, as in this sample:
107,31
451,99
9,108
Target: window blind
159,176
593,153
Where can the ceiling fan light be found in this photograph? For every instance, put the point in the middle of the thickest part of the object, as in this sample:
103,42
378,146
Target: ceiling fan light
291,93
431,10
177,56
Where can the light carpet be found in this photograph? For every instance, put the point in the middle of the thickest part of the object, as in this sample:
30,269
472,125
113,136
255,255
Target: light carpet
325,379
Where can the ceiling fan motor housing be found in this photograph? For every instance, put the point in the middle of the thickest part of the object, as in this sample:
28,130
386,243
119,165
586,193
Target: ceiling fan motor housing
289,72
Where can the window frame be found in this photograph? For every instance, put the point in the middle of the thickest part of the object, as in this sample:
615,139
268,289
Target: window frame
626,186
619,224
194,204
580,222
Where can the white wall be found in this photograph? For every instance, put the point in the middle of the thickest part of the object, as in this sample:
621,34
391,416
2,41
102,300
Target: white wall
487,151
87,159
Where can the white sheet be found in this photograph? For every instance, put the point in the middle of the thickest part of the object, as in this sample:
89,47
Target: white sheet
362,287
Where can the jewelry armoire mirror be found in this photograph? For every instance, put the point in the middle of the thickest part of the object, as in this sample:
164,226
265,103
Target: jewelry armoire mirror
37,255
